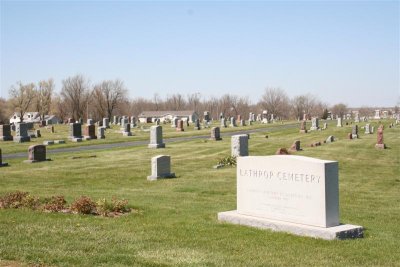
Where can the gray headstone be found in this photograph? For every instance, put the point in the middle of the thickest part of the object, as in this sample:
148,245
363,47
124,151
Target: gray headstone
5,132
106,123
223,123
367,128
100,132
314,124
21,133
215,134
160,168
339,122
239,145
75,130
156,137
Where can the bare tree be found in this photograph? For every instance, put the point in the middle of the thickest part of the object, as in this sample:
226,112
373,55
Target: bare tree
75,93
22,97
227,105
43,98
59,108
108,95
339,109
4,111
194,101
175,102
276,102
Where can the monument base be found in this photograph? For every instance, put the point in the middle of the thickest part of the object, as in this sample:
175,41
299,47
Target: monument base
156,145
21,139
342,231
380,146
34,161
46,143
165,176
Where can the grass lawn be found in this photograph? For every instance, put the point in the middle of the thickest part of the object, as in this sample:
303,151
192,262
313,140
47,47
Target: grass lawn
176,223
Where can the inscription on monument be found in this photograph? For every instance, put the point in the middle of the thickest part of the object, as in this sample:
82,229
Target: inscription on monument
289,188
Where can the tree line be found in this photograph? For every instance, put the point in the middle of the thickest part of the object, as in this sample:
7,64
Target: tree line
78,98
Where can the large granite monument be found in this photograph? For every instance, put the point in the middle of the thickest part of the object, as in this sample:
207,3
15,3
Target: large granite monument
289,193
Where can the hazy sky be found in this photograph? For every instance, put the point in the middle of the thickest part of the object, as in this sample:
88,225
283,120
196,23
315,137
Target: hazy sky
340,51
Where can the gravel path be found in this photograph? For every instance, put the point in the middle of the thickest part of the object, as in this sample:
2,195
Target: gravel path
145,142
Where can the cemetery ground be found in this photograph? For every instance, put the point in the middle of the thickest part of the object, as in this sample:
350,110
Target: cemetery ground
175,222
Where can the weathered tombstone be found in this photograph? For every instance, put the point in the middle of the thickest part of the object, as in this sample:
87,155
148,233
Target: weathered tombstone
100,132
295,146
339,122
75,132
239,145
180,126
206,116
5,132
379,135
21,133
36,153
106,123
156,137
90,122
2,164
303,127
330,139
160,168
127,129
289,193
197,125
133,122
233,122
90,131
215,134
368,128
314,124
223,123
354,132
357,117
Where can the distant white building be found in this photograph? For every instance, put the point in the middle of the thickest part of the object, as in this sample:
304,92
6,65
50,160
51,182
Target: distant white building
152,116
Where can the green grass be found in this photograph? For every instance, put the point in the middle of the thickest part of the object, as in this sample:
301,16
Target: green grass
176,224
